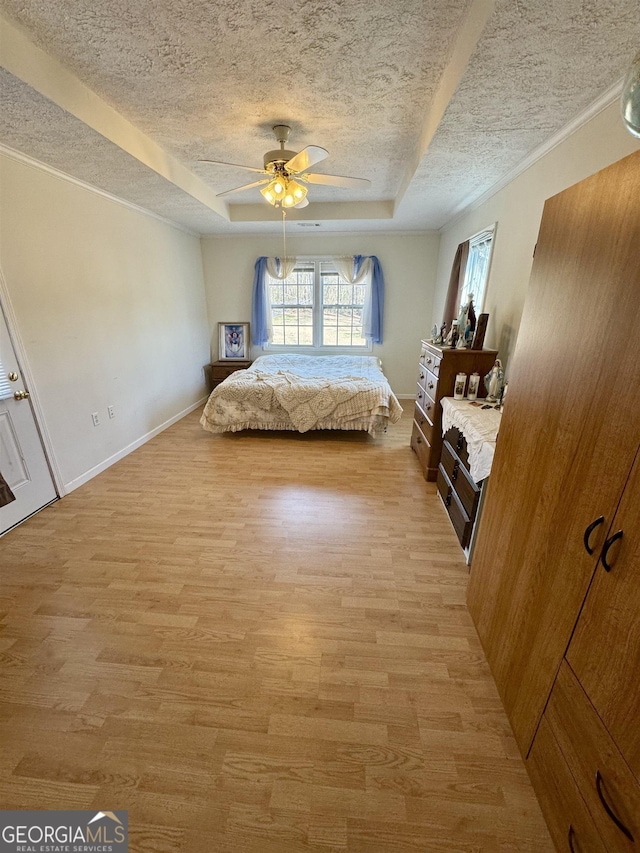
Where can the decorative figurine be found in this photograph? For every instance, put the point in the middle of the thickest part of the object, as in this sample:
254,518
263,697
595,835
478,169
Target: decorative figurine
435,338
467,322
494,382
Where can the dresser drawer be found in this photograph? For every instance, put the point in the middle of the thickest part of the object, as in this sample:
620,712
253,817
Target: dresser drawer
462,524
430,360
422,398
220,370
422,419
458,444
607,785
420,445
465,488
565,812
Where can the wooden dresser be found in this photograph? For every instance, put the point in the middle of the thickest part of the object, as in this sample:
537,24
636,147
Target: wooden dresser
555,581
219,370
438,367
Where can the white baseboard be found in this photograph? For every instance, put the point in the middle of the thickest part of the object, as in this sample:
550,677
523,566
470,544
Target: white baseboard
406,396
98,469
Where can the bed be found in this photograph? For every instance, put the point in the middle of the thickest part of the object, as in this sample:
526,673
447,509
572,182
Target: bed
304,392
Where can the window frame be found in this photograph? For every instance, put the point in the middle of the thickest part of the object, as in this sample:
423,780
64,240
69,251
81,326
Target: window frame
318,347
479,237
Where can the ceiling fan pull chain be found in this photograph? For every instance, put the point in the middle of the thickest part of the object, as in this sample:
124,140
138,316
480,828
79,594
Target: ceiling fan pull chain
284,236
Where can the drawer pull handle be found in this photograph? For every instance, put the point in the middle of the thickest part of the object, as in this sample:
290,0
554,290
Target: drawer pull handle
589,531
454,473
431,385
605,550
460,442
421,375
418,440
623,829
572,835
447,501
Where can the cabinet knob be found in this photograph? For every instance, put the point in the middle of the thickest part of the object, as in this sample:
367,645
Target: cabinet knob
607,546
421,375
605,805
418,440
430,385
587,533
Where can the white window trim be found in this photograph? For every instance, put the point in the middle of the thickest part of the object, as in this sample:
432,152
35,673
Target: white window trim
476,238
317,260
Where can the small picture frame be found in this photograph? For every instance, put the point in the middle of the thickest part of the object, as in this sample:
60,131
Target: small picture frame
233,342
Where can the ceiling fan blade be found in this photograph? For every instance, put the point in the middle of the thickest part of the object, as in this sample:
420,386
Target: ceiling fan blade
303,203
244,187
235,165
309,156
337,181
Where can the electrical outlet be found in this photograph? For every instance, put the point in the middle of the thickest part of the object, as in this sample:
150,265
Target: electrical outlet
111,411
95,418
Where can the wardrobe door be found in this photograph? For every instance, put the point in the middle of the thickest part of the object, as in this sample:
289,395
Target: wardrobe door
605,649
567,438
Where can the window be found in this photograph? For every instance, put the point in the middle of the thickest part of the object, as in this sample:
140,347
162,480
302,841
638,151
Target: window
6,390
477,271
313,308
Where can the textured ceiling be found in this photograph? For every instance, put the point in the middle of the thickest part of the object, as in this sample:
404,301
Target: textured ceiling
207,79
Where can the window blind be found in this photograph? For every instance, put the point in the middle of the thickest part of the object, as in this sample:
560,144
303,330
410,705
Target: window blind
5,385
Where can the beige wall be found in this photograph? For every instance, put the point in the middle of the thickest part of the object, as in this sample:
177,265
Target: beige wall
517,209
408,262
110,306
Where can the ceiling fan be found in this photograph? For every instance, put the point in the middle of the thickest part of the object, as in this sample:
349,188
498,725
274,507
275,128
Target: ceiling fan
285,170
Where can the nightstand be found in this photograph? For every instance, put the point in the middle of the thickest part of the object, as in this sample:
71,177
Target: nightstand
219,370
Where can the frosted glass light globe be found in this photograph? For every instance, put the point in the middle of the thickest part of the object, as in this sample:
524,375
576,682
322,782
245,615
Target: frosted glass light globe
630,101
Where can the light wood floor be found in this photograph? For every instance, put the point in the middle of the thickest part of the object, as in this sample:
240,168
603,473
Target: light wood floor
257,643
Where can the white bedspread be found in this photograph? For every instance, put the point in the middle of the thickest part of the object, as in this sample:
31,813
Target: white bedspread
303,392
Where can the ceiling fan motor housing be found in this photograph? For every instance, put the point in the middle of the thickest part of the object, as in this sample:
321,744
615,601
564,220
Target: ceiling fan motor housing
279,155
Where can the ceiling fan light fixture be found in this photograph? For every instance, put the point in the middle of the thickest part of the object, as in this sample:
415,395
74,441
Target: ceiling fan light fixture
630,101
297,190
279,188
294,195
268,194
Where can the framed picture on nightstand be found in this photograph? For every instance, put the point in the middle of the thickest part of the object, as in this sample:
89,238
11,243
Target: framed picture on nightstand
234,343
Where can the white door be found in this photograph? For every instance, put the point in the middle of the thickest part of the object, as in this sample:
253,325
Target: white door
23,464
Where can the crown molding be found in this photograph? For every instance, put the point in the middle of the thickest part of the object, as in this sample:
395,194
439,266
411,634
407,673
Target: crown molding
27,160
322,232
472,202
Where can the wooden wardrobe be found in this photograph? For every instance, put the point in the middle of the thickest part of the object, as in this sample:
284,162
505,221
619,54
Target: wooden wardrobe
555,580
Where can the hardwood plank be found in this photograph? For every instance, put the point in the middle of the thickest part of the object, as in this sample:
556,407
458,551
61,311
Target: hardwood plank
255,643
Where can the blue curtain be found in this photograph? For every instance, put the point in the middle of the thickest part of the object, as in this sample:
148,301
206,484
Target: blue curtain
259,308
377,297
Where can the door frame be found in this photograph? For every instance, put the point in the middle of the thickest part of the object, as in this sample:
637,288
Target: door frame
21,355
